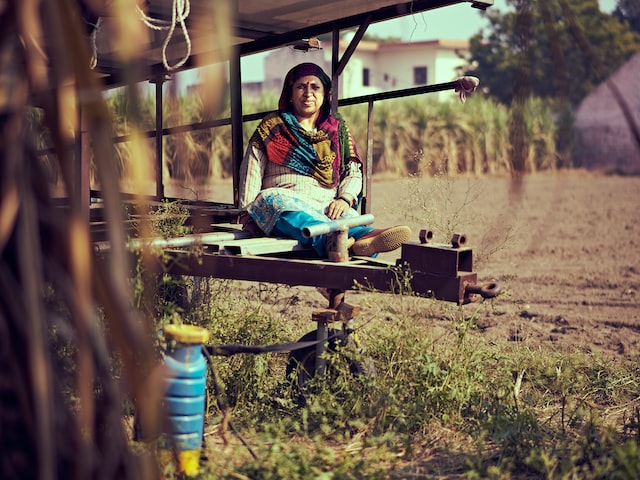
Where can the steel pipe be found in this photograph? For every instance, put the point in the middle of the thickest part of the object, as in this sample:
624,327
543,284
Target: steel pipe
337,225
175,242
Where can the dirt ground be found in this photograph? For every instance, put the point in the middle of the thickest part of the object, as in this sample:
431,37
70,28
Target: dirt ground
564,247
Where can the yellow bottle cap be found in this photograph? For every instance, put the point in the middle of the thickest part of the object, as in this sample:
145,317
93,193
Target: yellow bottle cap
186,333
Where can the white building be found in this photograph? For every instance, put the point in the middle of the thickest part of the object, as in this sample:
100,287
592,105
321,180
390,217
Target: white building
376,66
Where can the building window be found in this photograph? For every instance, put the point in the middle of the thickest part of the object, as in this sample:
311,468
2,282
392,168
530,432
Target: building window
419,75
366,81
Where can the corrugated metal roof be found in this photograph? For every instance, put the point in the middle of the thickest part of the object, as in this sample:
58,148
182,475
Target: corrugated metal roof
251,26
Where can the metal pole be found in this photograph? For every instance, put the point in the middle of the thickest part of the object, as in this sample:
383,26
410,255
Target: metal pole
337,225
159,81
235,91
368,169
321,347
335,74
81,191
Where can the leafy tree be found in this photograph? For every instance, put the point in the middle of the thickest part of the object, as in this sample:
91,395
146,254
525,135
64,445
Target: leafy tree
559,49
629,11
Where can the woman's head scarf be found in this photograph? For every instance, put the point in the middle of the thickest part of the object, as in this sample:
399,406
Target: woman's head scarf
296,73
323,153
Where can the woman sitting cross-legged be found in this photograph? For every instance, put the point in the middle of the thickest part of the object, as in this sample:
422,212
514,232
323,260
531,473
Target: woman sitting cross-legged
301,168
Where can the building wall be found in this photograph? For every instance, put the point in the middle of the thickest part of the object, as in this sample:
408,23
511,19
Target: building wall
394,64
390,65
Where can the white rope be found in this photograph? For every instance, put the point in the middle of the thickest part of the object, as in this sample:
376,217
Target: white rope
180,10
93,63
466,85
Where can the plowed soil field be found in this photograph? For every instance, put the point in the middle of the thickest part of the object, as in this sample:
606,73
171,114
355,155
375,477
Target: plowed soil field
564,246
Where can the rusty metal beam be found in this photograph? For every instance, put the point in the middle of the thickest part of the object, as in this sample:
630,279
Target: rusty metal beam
352,275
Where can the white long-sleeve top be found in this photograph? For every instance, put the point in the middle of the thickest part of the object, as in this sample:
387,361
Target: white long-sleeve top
258,173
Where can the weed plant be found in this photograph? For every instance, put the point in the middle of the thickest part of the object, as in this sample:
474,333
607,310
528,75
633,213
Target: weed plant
442,402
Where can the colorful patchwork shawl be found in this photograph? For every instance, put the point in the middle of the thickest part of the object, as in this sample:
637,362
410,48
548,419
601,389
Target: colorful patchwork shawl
321,154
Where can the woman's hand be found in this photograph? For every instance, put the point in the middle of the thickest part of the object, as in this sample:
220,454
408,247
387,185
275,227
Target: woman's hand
248,225
337,208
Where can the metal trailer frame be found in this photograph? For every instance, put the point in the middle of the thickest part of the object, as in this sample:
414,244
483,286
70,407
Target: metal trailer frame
113,76
443,272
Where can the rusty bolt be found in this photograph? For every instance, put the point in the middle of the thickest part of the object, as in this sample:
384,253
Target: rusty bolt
425,235
458,240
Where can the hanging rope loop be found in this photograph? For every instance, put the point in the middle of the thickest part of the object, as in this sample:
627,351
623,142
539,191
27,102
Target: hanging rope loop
93,63
180,10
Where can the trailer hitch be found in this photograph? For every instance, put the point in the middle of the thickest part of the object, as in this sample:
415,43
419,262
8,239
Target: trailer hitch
486,290
445,269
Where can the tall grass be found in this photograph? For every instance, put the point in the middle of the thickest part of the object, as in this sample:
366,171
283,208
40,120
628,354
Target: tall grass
422,134
410,135
66,321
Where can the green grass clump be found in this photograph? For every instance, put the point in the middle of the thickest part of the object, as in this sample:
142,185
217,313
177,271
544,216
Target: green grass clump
442,402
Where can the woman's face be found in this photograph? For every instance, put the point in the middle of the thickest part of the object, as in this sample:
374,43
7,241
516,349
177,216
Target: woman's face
307,97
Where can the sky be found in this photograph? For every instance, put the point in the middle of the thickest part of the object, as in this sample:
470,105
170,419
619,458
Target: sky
455,22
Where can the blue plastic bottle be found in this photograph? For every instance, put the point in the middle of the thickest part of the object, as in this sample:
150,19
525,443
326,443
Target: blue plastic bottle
185,394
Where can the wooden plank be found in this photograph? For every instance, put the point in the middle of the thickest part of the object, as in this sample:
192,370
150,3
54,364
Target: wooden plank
259,246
